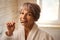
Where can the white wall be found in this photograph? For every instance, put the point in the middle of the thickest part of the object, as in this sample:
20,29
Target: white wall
20,2
8,10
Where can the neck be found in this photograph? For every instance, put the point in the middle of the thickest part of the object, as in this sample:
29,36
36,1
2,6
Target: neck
28,27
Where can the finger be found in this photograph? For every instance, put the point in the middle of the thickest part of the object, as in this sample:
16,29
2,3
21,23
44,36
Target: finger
9,24
12,23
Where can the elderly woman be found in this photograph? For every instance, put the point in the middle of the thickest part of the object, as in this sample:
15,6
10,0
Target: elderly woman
29,14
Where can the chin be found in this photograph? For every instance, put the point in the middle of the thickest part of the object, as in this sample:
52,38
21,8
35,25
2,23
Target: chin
24,24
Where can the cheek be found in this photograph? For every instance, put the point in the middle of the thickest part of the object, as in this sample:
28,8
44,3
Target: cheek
20,17
30,19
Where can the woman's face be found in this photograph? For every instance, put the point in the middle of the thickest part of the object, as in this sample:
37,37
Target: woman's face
26,18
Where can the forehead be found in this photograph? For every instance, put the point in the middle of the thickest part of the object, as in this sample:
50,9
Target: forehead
26,8
24,11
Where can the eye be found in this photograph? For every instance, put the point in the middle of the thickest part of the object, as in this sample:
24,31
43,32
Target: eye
30,14
21,13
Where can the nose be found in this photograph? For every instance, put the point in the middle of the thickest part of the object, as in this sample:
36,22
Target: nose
24,16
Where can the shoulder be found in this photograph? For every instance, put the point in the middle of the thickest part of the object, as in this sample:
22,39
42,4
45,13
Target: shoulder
44,35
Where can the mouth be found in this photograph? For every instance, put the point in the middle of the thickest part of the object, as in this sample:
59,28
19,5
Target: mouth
24,22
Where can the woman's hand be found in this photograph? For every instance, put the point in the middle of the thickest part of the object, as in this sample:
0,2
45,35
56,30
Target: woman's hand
10,27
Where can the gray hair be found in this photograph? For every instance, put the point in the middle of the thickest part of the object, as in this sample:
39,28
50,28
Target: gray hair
34,9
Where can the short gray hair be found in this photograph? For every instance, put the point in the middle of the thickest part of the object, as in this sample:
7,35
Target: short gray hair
34,9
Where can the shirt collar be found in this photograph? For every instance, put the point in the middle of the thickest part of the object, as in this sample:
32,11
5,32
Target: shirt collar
32,32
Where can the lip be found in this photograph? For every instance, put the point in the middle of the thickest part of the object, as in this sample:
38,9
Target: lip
24,22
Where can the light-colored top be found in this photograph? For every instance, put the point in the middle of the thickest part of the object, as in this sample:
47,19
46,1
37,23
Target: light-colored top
34,34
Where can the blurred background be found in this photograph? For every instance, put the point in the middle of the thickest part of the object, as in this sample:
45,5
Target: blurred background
49,20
